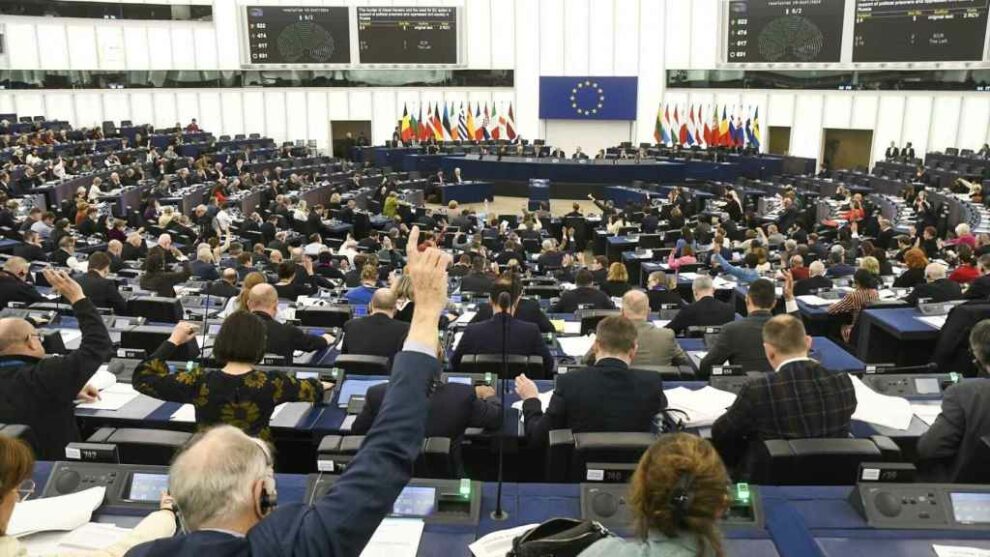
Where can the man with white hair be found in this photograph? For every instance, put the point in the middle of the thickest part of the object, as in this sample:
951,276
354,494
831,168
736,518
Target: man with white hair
816,280
656,346
224,485
203,268
14,285
963,236
706,311
170,253
936,288
837,263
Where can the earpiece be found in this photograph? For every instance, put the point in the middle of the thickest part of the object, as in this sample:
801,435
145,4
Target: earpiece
682,496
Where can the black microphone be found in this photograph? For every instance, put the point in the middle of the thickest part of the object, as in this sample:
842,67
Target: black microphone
504,302
206,323
881,369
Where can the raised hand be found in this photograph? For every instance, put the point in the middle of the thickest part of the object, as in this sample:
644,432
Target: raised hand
63,284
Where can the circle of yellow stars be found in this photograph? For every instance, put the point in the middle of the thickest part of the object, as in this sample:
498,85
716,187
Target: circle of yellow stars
586,111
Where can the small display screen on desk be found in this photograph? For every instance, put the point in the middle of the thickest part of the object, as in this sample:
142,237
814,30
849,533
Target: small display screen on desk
355,388
307,375
415,501
927,386
147,487
461,380
971,508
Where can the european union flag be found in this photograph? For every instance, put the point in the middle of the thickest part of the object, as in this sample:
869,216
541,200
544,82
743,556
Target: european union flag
588,98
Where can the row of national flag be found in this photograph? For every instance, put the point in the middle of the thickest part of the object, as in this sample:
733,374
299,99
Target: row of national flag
453,122
708,125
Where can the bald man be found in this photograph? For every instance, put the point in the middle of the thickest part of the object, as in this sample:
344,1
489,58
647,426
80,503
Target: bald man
39,392
378,334
226,287
657,345
14,285
936,287
283,339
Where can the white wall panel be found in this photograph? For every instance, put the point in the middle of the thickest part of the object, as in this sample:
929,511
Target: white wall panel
359,105
864,112
137,50
116,106
385,115
232,111
551,36
780,111
82,55
890,121
503,34
254,112
22,44
142,108
89,110
945,113
7,103
480,19
838,111
577,31
29,104
206,48
625,52
338,105
110,48
703,47
187,106
209,111
55,52
974,129
160,55
59,106
183,48
678,35
651,80
275,125
917,121
166,113
806,134
589,135
295,116
527,63
317,118
601,37
227,22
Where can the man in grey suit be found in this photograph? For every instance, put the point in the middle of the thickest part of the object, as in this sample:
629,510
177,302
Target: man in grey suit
657,345
953,441
741,342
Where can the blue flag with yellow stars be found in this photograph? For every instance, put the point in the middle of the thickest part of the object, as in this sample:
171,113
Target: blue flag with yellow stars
588,98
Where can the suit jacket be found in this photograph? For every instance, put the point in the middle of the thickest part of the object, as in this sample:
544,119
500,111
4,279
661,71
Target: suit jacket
102,292
204,271
375,335
527,310
284,339
163,283
453,408
571,299
941,290
979,289
341,522
608,396
739,343
13,289
955,435
804,287
788,218
486,338
799,401
30,252
706,312
476,282
657,346
223,289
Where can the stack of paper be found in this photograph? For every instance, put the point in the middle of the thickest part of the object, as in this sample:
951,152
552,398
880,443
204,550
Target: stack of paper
576,347
185,413
457,340
71,338
702,406
936,321
813,300
498,544
959,551
92,536
660,323
883,410
544,403
395,537
102,378
926,411
65,512
114,397
465,318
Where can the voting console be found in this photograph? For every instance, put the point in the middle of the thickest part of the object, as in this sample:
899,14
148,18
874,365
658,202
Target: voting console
128,486
434,501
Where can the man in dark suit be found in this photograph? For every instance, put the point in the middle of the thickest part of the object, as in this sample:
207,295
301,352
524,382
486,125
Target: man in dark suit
526,309
706,311
951,444
31,249
226,287
478,280
908,152
100,290
283,339
14,285
203,267
788,216
378,334
584,294
937,288
816,280
892,152
885,238
454,407
462,267
740,342
979,289
342,521
352,278
800,400
134,248
487,337
607,396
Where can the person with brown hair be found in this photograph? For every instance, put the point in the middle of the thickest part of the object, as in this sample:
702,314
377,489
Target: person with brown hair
676,496
916,262
16,469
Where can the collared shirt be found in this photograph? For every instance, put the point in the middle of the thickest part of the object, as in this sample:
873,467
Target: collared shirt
791,360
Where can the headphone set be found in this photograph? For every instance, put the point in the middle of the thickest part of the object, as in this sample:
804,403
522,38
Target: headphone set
681,497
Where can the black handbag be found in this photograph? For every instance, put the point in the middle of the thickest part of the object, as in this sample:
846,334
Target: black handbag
558,537
669,422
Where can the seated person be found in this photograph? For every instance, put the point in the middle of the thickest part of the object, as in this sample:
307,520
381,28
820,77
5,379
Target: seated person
706,311
584,295
608,396
478,280
659,292
617,282
678,495
951,442
281,339
837,266
203,268
979,289
159,280
800,400
237,394
17,468
486,337
739,342
361,294
31,249
936,288
103,292
816,280
226,287
378,334
657,345
863,294
916,263
527,310
14,285
287,287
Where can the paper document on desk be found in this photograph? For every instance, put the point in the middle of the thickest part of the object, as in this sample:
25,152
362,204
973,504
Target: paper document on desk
927,411
395,537
457,340
576,347
65,512
696,356
465,318
102,379
92,536
688,276
936,321
71,338
498,544
702,406
661,323
114,397
720,283
813,300
185,413
883,410
959,551
544,402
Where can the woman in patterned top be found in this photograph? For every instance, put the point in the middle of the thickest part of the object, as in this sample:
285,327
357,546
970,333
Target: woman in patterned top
236,394
854,302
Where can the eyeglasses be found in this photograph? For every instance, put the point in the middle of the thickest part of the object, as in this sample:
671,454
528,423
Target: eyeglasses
25,490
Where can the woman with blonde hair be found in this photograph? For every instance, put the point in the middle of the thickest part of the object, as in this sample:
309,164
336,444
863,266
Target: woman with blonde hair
617,281
239,302
676,496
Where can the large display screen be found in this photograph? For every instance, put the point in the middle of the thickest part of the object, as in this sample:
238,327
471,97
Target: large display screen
147,487
298,35
920,30
971,508
763,31
407,35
